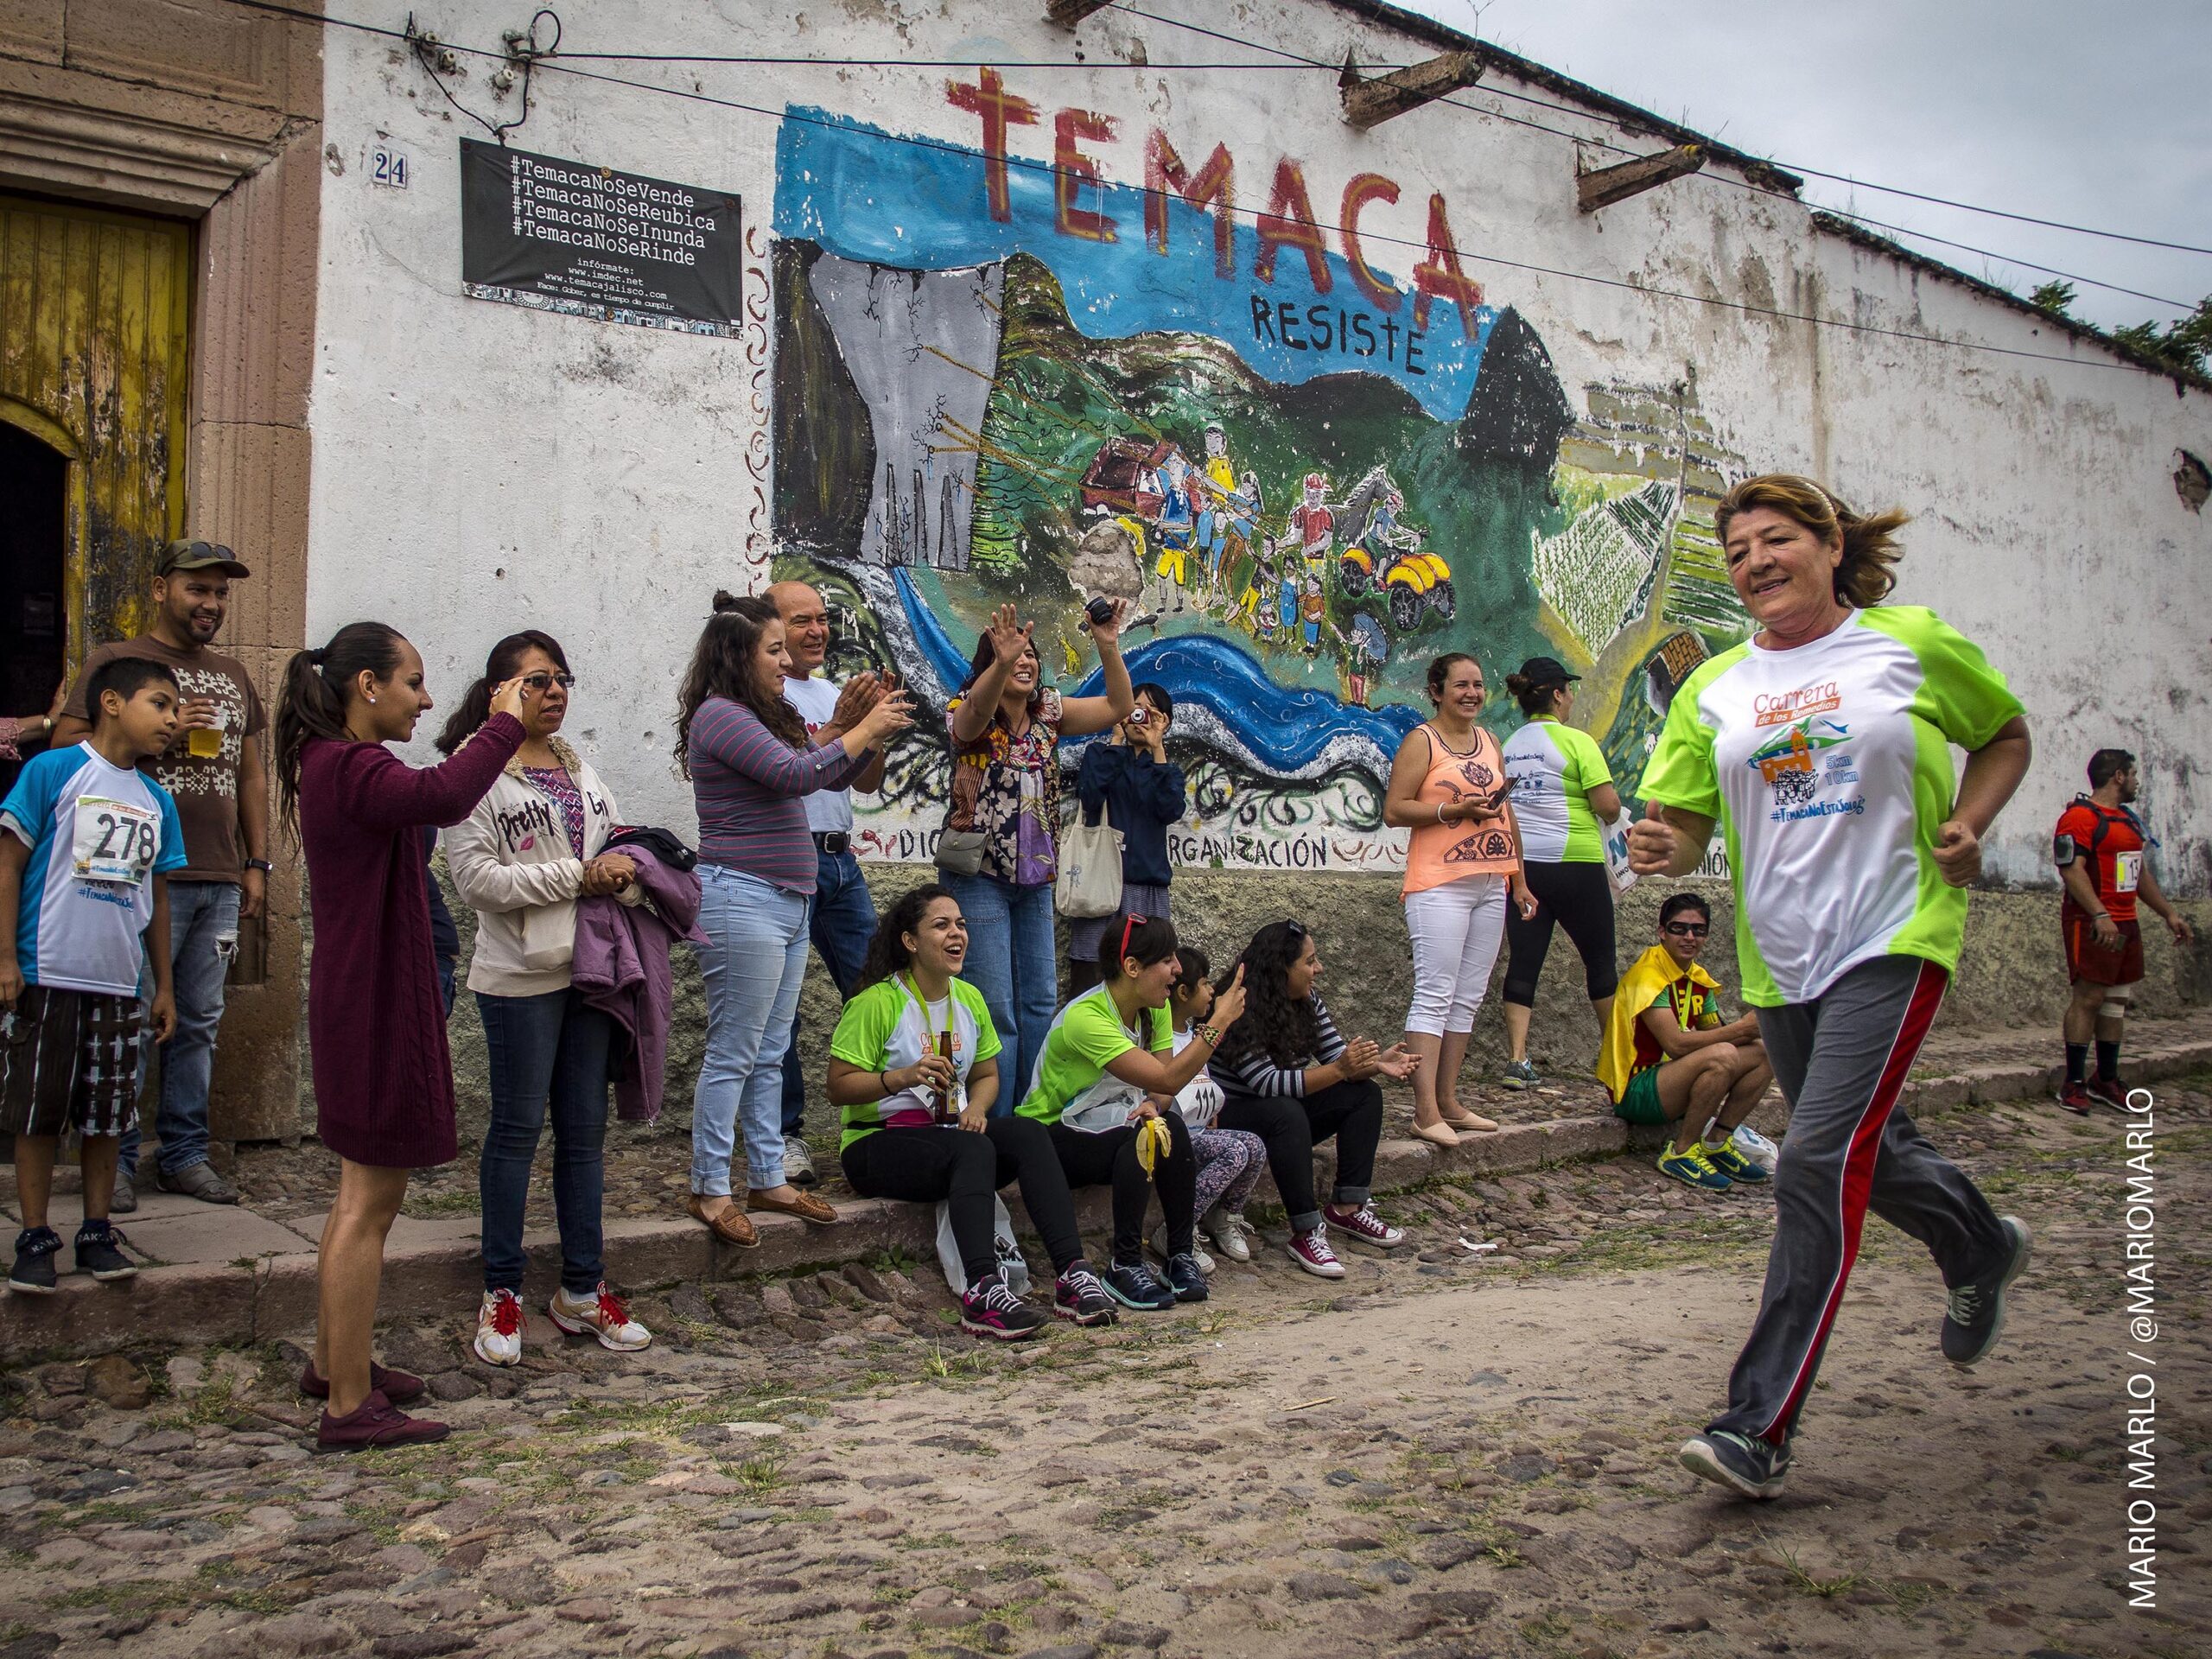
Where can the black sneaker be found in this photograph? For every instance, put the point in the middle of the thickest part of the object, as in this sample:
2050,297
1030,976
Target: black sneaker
1078,1296
1747,1467
98,1255
989,1309
1187,1279
33,1274
1976,1316
1131,1284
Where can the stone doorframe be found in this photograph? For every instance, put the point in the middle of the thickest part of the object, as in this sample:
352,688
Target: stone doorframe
206,112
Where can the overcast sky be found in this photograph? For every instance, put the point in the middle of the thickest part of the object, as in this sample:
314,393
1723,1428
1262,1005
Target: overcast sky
2059,111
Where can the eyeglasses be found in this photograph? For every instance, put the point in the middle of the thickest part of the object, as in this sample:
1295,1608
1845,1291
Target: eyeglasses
538,682
1687,930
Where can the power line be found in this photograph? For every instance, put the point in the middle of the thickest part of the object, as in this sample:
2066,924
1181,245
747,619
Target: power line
1030,164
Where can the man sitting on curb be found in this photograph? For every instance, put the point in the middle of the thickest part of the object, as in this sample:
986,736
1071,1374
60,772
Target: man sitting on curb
1669,1059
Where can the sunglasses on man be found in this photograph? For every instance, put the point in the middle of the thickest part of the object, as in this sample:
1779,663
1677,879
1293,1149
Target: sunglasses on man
1687,930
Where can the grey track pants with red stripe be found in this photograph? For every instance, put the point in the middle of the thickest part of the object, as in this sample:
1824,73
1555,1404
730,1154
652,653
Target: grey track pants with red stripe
1842,1059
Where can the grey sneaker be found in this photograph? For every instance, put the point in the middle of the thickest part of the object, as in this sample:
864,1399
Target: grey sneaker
125,1200
1520,1075
1976,1318
1160,1248
198,1181
1747,1467
799,1162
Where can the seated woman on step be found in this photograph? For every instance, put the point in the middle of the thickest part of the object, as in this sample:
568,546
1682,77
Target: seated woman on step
1289,1077
1106,1081
913,1067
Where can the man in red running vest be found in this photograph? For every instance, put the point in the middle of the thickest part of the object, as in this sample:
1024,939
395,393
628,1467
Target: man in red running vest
2103,857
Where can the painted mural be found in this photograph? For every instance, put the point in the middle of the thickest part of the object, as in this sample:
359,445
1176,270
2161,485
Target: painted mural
1310,462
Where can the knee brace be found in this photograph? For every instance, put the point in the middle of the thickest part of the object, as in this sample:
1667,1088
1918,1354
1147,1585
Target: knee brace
2113,1008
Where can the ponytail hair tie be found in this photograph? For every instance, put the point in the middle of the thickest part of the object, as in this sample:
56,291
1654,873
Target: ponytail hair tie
317,655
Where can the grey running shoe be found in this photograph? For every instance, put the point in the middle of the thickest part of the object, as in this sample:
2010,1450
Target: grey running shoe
125,1201
1749,1468
1520,1075
1976,1318
198,1181
799,1162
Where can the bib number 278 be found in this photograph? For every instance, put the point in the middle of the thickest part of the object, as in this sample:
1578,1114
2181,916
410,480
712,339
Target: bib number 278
115,840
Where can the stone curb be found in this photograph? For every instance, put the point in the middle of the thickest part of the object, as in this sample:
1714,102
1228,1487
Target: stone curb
235,1303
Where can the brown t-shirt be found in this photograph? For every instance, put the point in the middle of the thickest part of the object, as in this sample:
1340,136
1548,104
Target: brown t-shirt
207,790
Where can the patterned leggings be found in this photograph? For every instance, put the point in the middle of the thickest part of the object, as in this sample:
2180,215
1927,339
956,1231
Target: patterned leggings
1230,1162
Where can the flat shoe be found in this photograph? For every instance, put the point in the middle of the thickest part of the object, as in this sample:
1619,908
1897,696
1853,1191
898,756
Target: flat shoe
731,1226
805,1206
1438,1133
1473,1122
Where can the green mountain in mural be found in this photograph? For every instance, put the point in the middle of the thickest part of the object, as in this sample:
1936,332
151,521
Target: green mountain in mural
1475,488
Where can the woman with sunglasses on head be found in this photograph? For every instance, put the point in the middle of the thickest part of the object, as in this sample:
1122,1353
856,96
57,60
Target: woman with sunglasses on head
1005,814
376,1018
1463,862
521,861
914,1068
1822,745
1289,1076
1105,1082
750,763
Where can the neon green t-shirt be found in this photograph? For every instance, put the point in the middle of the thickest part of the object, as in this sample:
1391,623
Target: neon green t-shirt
888,1026
1071,1081
1554,768
1828,769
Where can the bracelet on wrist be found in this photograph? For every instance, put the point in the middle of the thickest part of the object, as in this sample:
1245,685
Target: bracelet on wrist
1209,1035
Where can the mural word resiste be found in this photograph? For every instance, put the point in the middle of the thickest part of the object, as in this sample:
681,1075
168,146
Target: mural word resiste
1311,460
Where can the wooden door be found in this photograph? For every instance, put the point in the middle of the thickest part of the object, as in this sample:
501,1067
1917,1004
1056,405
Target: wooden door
95,319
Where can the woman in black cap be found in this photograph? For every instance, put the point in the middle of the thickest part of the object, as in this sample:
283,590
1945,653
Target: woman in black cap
1563,795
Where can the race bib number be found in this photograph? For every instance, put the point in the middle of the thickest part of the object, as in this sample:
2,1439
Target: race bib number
115,840
2126,871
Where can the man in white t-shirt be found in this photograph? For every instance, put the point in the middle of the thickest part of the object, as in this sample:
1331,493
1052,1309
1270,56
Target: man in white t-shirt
842,916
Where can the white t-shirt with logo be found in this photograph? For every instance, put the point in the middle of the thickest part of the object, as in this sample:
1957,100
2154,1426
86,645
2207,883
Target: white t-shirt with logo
829,812
1828,769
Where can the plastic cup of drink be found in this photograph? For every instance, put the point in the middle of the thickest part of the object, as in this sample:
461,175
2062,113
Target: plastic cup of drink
205,742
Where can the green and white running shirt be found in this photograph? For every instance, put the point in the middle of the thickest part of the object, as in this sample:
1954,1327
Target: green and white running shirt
1554,768
1070,1083
1828,769
888,1028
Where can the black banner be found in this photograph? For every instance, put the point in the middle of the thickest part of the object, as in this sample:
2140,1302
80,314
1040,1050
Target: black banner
590,242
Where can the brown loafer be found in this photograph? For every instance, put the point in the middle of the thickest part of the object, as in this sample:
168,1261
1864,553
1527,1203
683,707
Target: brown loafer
731,1226
805,1206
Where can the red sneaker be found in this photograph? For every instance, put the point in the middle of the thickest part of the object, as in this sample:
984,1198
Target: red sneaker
1311,1252
2113,1092
1363,1224
2076,1098
397,1387
374,1425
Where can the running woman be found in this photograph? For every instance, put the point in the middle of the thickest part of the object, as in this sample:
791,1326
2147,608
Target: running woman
2102,852
1819,746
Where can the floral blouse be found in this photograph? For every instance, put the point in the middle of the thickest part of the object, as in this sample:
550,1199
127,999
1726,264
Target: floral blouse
1010,788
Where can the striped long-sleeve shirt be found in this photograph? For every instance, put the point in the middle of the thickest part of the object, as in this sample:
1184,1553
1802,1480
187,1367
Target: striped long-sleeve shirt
748,785
1253,1073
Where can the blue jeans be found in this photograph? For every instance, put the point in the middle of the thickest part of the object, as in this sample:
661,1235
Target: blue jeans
841,922
753,962
545,1050
1014,961
203,942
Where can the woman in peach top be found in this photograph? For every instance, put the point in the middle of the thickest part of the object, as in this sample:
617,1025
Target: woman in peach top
1448,788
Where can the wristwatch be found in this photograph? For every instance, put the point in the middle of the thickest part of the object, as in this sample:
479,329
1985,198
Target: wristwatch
261,864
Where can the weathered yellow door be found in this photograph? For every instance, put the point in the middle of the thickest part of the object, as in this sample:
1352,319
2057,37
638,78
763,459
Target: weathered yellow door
95,318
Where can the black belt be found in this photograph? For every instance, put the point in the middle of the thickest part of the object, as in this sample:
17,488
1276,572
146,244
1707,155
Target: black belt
836,842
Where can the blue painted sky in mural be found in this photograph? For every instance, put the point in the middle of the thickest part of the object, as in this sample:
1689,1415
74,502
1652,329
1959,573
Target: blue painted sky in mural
1205,672
864,195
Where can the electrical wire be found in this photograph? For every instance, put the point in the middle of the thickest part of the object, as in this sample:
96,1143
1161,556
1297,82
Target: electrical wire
1032,164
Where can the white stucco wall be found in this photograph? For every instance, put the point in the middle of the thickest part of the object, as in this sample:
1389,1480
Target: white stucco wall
480,467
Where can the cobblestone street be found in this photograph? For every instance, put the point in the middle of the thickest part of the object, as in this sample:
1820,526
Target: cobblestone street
1446,1454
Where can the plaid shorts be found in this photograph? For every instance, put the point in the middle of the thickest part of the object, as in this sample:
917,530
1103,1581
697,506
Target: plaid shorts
69,1061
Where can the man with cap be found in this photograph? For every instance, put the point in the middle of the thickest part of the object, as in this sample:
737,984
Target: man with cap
1563,797
214,770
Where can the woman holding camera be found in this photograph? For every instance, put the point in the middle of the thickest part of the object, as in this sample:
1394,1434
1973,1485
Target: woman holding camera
1143,794
999,850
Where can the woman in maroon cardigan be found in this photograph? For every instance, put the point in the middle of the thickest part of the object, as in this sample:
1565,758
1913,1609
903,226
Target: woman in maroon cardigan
375,1017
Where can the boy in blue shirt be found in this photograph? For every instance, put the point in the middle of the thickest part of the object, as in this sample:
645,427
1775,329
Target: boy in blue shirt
85,842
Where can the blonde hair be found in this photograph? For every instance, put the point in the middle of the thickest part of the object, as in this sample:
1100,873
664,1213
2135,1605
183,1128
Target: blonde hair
1868,569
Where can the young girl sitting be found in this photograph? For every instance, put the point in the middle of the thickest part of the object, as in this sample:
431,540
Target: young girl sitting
1230,1161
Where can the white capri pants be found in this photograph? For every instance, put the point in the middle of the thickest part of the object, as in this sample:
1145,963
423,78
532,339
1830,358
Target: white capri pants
1457,929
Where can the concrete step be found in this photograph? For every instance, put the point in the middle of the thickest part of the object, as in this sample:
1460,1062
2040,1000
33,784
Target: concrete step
265,1289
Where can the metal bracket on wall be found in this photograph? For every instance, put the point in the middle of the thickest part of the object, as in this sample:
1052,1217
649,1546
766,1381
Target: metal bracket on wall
1369,102
1604,185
